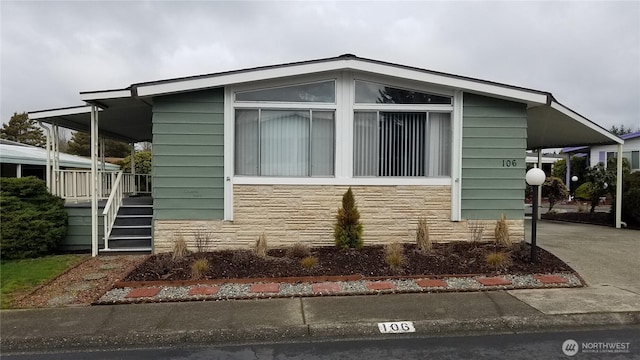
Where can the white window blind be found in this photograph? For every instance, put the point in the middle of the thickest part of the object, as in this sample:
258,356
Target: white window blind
402,144
284,142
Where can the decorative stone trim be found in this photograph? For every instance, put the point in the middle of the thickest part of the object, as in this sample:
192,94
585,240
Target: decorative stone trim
288,214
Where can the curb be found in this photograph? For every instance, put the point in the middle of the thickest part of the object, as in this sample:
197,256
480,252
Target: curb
317,332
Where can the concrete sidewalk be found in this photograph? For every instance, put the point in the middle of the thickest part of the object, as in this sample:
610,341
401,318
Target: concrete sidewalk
606,257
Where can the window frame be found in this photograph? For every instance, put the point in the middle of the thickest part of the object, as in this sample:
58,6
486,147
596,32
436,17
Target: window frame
344,109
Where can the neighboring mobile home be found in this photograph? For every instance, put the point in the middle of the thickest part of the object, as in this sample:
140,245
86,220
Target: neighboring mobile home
272,149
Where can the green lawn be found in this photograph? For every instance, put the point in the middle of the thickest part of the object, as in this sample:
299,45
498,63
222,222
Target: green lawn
19,276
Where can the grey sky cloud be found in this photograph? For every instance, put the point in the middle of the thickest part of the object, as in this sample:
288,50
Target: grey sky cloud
586,53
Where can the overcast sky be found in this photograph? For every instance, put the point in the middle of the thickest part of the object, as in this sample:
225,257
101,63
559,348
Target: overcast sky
586,53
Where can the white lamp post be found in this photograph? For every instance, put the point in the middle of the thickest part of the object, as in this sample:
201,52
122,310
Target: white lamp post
535,177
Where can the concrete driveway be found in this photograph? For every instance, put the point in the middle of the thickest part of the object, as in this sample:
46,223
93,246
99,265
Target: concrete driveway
607,258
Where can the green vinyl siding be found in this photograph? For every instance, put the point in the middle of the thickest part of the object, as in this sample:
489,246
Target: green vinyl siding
494,137
188,156
78,236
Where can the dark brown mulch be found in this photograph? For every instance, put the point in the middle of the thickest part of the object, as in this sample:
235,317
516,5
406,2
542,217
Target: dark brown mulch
595,218
443,259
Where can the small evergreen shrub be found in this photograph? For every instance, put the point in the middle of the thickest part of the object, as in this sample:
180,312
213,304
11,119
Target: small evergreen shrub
309,262
33,221
199,268
261,246
497,260
422,236
298,251
348,229
394,256
179,247
502,232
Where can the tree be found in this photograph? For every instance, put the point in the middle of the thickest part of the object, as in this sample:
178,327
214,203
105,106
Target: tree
80,144
21,129
620,130
143,163
579,168
600,180
555,190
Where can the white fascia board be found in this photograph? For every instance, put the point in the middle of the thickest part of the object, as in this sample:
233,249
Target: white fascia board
59,112
236,78
455,82
577,117
103,95
339,65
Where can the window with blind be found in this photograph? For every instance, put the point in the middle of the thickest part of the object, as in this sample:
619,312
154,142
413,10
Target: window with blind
402,144
284,142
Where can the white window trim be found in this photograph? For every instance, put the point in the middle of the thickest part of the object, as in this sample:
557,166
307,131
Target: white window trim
344,114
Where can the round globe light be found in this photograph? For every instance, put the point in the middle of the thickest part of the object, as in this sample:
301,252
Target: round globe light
535,176
574,178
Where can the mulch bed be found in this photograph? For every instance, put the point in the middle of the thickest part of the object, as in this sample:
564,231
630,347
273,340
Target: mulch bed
369,261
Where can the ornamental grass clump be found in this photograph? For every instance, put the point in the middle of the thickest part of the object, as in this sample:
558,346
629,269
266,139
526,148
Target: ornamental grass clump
497,260
298,251
394,256
309,262
422,236
199,268
179,247
502,232
261,246
348,229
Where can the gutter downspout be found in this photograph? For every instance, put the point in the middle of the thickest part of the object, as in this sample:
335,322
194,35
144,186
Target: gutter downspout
48,171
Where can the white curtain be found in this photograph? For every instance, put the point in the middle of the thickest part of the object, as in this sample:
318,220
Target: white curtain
246,161
365,144
322,143
439,149
284,143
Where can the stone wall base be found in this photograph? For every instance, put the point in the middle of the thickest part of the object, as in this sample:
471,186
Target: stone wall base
306,214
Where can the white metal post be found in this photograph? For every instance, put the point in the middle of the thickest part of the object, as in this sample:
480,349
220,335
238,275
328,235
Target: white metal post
18,170
94,180
133,168
48,170
619,188
539,195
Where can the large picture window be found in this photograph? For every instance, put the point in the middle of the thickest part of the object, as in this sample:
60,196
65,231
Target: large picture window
403,144
272,142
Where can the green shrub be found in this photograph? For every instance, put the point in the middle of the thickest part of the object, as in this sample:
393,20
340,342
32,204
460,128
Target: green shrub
631,206
33,221
583,191
348,229
555,190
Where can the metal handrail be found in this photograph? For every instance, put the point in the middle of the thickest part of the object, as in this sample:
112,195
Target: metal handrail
111,208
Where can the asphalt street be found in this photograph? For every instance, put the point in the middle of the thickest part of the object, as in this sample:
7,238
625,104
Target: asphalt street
619,343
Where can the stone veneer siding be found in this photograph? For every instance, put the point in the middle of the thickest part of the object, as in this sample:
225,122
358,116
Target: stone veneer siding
289,214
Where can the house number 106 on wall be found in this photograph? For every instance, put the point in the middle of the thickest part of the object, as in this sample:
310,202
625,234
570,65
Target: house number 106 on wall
509,163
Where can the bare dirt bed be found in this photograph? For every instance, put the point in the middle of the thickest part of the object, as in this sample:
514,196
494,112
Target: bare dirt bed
443,259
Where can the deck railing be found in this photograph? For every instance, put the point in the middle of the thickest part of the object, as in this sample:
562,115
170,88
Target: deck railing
111,208
75,185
